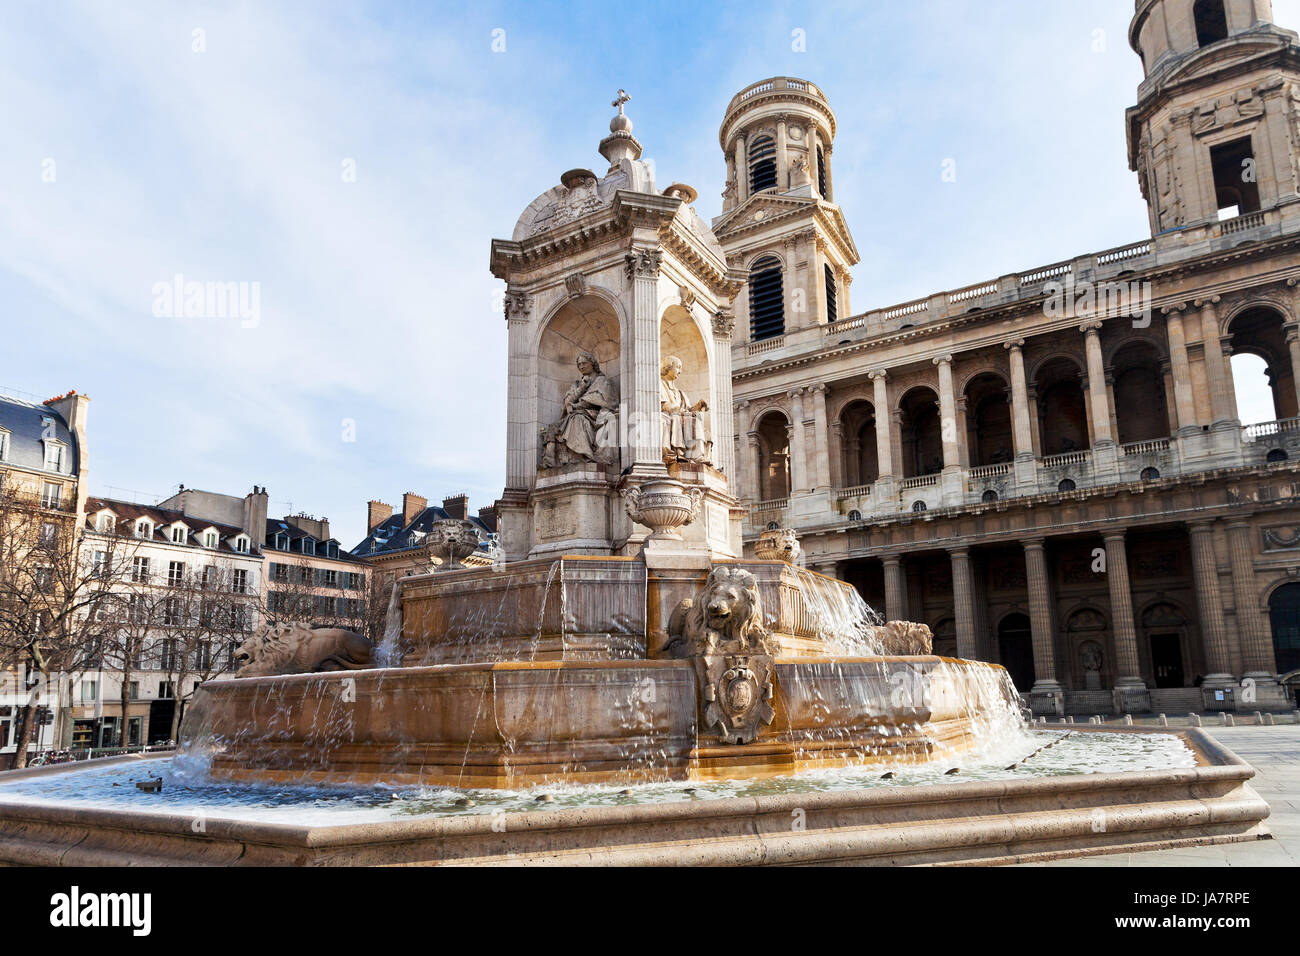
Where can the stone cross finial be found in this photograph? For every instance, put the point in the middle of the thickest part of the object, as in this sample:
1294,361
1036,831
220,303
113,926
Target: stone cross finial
620,100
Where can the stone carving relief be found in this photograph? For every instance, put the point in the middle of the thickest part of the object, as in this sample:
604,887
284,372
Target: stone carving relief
1284,538
581,198
588,429
686,297
721,628
686,432
518,307
778,544
1156,564
575,285
643,263
302,649
724,324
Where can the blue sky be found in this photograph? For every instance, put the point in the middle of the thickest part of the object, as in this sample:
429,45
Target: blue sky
376,304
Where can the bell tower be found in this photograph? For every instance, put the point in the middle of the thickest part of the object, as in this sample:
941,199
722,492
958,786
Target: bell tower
1215,134
779,220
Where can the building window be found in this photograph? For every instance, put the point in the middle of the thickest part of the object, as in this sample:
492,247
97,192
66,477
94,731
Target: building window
762,164
140,570
165,691
178,534
1067,484
89,691
241,544
1149,474
239,582
1211,21
54,456
830,293
175,573
99,567
280,572
918,506
106,523
143,529
209,578
821,173
282,542
1236,191
51,494
331,579
49,534
766,299
308,546
209,539
133,690
4,455
989,495
172,616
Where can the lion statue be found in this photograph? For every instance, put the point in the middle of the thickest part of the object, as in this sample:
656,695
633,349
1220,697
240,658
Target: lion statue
905,639
725,617
778,544
302,649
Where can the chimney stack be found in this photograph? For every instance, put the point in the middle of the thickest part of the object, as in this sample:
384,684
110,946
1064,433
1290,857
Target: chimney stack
488,516
456,506
412,505
376,514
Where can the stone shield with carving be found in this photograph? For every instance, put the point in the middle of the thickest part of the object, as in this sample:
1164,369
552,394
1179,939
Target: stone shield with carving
736,694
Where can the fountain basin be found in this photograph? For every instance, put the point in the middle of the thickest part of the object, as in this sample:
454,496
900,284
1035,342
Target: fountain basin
517,724
1001,817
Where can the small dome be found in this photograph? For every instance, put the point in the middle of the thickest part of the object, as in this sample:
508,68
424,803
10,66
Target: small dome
621,123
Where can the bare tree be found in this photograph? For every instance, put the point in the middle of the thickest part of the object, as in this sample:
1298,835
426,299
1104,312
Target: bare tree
55,595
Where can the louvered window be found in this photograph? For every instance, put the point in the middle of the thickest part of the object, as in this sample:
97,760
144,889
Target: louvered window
762,164
821,173
766,300
830,293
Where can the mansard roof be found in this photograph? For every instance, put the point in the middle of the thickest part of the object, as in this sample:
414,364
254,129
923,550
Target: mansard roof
27,428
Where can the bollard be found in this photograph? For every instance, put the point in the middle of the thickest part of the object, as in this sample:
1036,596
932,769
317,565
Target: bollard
1070,719
1164,721
1195,719
1227,719
1268,720
1092,720
1259,719
1128,720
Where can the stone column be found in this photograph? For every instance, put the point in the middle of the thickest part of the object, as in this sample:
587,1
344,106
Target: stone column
963,592
642,265
721,411
782,162
742,171
1256,637
1128,673
1098,400
1021,418
1292,331
1216,366
821,450
1205,568
895,588
813,142
1040,617
884,447
744,469
798,459
756,463
947,413
1184,400
830,184
521,454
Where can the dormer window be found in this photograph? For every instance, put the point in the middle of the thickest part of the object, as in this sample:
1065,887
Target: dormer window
106,522
241,544
143,529
308,546
4,445
281,541
179,534
210,539
55,455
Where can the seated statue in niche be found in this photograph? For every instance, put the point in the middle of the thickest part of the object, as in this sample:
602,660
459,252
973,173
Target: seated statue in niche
686,434
588,429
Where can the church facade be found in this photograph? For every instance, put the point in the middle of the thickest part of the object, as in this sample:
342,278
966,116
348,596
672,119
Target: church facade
1049,468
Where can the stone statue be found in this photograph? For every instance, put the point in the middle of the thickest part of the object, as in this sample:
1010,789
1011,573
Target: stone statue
722,630
905,639
800,174
588,430
302,649
686,434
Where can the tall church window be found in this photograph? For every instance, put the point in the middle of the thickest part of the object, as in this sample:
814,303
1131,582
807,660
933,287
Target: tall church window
766,299
762,164
1236,191
1211,21
821,173
830,293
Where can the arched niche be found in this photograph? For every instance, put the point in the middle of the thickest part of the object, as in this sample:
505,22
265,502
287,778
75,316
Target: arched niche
587,323
679,335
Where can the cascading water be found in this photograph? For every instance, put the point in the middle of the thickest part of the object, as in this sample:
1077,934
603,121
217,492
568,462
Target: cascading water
388,653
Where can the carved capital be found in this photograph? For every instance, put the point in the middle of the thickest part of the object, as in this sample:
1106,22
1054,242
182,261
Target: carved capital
1174,308
1209,302
878,373
518,306
724,324
643,263
942,360
1014,344
1091,326
575,285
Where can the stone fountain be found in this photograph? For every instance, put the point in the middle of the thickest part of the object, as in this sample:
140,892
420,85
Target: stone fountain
626,637
622,638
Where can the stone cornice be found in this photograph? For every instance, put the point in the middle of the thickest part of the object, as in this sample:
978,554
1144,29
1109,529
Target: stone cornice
825,214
